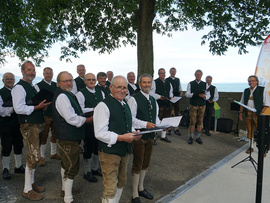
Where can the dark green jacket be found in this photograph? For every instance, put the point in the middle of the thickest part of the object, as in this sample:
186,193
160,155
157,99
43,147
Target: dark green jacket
79,83
131,91
257,97
211,89
175,84
120,122
105,90
194,87
163,89
146,111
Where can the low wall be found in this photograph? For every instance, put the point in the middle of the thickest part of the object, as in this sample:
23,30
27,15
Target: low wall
225,100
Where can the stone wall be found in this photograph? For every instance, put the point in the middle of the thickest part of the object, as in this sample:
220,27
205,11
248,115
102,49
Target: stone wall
225,100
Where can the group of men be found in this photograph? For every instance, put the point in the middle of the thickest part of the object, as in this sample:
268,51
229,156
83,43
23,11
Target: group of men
122,111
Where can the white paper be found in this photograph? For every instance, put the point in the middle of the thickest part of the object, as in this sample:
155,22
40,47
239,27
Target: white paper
245,106
171,121
148,131
175,99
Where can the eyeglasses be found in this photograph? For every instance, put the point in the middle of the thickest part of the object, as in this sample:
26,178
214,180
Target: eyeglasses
90,80
119,89
66,81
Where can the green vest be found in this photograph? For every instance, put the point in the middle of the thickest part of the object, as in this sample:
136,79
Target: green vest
194,86
211,88
91,99
146,111
63,130
163,89
120,122
43,85
257,97
132,92
37,115
11,120
79,83
175,84
105,90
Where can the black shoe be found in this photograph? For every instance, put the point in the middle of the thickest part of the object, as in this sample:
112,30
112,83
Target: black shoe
97,172
177,132
136,200
199,140
6,174
146,194
155,142
169,132
166,139
90,177
208,134
190,140
21,170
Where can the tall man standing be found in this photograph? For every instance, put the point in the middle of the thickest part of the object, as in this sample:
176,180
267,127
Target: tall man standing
9,129
132,87
177,91
49,85
113,128
145,108
209,104
101,78
109,79
254,97
88,98
31,124
196,91
78,82
162,91
69,132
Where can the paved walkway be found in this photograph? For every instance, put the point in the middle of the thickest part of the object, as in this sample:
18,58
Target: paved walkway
224,184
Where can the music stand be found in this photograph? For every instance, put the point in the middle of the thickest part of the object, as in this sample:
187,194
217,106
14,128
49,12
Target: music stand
249,158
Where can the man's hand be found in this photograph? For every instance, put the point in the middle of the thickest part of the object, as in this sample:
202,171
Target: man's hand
42,105
150,125
89,119
128,137
202,96
162,98
210,101
240,116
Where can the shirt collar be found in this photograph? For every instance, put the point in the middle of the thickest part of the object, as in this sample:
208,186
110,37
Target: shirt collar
146,95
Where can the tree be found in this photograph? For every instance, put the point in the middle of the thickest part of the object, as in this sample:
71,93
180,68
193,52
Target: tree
29,27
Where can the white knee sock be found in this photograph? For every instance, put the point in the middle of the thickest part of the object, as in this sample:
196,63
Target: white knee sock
33,176
68,190
250,140
118,195
42,150
142,176
87,165
63,179
135,184
163,134
5,162
53,148
28,180
18,160
95,162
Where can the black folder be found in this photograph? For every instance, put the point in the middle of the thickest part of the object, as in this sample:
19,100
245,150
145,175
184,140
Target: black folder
87,114
41,96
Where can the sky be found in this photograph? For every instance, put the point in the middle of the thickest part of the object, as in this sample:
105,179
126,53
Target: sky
183,51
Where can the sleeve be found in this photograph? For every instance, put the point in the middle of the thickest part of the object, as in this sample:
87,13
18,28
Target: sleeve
180,86
153,91
101,125
64,108
74,88
171,91
136,123
81,101
5,111
216,95
266,99
18,99
242,98
157,118
37,88
188,92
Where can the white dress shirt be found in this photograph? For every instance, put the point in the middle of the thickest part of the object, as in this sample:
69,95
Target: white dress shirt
190,95
64,108
266,99
216,96
74,88
133,107
157,96
101,124
128,95
81,99
18,99
5,111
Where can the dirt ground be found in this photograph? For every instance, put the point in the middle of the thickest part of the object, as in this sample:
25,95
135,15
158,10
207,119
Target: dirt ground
172,165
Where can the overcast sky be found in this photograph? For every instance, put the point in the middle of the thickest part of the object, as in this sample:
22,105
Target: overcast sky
182,51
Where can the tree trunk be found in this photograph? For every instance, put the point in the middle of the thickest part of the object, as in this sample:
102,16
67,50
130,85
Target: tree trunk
145,52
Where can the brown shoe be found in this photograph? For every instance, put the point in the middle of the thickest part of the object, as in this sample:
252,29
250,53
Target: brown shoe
249,150
264,155
42,162
55,156
74,192
32,195
37,188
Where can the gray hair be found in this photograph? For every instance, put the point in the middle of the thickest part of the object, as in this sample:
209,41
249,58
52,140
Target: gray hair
144,76
23,65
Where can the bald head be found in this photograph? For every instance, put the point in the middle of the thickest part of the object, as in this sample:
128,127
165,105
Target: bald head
90,80
8,80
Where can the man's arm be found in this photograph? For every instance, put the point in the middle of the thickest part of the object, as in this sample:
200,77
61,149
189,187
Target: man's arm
188,92
81,101
153,91
5,111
